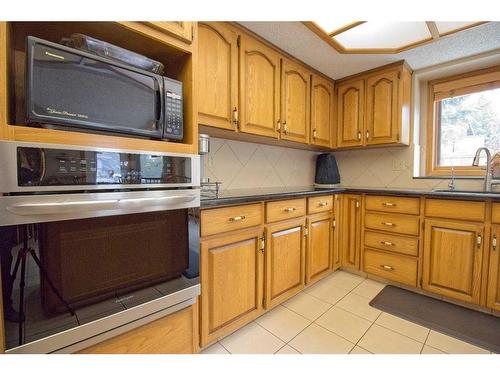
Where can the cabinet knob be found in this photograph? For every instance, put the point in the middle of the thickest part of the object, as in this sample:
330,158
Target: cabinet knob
322,204
389,204
237,218
387,243
289,209
386,267
388,224
494,242
367,134
359,135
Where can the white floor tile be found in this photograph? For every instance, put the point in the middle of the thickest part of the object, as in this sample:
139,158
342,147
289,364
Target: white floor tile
452,345
215,349
359,306
430,350
359,350
368,288
345,280
380,340
405,327
307,305
343,323
287,349
326,292
252,339
317,340
283,323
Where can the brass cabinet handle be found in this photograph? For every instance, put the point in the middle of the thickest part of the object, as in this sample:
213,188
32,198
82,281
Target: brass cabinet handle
285,127
387,243
289,209
322,204
386,267
314,133
479,240
334,223
494,242
237,218
278,127
359,135
367,134
357,204
389,204
263,244
388,224
236,122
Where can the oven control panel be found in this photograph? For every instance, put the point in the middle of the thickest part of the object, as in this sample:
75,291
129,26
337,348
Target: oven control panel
61,167
174,128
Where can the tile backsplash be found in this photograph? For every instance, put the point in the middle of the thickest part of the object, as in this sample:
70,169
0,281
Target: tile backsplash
243,165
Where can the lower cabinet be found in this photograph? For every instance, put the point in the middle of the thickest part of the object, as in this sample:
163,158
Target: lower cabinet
232,279
350,224
452,259
319,246
285,260
493,299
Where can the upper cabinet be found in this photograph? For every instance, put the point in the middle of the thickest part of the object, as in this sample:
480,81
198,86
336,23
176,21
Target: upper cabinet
259,88
295,102
180,29
374,108
322,121
217,75
350,109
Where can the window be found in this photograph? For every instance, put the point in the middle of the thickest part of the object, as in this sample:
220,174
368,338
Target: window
464,114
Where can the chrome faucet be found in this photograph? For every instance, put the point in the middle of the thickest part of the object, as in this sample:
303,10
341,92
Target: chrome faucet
488,176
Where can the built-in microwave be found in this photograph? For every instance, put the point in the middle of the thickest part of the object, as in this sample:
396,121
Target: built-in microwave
74,89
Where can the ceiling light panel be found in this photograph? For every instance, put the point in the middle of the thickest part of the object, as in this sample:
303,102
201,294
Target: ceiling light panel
330,26
447,27
383,35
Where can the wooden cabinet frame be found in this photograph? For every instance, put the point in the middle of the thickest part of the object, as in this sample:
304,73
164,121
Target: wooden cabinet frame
313,243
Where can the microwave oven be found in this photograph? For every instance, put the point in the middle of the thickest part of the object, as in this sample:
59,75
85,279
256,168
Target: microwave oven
73,89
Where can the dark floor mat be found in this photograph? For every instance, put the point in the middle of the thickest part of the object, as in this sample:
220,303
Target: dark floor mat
468,325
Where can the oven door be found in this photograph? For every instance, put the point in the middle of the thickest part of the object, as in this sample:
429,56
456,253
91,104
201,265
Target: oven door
95,265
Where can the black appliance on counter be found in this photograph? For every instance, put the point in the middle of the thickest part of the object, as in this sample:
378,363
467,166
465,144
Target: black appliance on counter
327,172
71,88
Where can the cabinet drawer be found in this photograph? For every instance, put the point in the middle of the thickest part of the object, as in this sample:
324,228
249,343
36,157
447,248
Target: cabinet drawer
495,213
392,204
453,209
392,223
221,220
320,204
392,242
282,210
398,268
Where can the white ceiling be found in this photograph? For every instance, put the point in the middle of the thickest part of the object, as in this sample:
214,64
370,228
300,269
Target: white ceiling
299,41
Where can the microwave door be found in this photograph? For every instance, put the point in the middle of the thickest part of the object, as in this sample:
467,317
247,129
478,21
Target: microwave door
67,89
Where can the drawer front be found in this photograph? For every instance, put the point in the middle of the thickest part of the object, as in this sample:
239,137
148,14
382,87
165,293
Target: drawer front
397,268
392,242
392,204
392,223
221,220
320,204
453,209
282,210
495,213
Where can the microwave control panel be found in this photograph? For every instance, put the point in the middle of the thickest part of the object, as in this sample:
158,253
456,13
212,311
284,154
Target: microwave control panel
174,128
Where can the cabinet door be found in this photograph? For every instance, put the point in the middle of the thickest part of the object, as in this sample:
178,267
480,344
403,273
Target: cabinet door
336,249
350,108
493,299
181,29
351,230
321,111
285,260
259,88
319,246
295,98
217,78
453,254
232,282
382,124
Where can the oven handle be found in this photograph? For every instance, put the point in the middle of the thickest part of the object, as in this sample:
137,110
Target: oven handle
48,208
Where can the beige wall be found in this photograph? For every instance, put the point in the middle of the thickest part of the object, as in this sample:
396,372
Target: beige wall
243,165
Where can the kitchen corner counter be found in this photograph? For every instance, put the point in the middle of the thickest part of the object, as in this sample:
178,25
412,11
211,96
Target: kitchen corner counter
242,196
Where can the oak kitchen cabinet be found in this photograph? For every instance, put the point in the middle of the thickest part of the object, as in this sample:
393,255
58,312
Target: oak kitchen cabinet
259,67
295,102
322,112
319,246
350,226
452,259
285,260
493,296
180,29
217,75
373,108
232,279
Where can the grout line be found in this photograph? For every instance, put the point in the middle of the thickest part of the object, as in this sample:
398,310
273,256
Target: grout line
425,341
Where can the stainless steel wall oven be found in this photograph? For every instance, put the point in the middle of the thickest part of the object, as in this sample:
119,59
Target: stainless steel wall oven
94,242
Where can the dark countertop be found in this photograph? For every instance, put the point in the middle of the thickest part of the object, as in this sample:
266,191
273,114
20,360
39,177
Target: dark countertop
241,196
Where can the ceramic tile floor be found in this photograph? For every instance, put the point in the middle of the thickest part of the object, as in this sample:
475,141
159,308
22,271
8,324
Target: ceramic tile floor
333,316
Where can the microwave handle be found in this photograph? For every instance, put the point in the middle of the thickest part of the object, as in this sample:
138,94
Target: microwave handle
158,107
50,208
